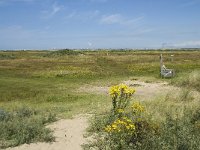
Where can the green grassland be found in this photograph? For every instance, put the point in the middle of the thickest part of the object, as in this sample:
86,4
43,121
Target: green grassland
47,82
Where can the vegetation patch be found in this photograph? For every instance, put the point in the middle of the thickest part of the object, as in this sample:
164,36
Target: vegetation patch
62,53
7,56
136,126
125,126
49,80
191,80
24,125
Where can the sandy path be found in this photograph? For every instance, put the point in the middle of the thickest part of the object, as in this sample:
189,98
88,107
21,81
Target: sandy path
149,91
144,91
68,133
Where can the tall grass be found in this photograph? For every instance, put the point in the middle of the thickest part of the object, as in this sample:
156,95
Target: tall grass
191,80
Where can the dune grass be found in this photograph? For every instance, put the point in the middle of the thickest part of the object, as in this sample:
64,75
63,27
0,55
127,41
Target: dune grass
189,80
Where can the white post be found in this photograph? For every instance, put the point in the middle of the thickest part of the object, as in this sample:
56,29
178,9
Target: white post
161,64
161,60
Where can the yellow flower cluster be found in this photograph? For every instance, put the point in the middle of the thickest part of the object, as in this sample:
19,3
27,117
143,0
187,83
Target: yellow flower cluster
120,110
119,89
114,91
137,107
121,125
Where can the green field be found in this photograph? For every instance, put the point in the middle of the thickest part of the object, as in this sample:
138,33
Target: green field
39,87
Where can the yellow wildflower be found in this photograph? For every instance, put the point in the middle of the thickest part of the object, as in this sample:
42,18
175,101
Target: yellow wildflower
132,126
131,90
137,107
128,120
123,86
121,125
114,126
108,128
120,110
126,91
114,90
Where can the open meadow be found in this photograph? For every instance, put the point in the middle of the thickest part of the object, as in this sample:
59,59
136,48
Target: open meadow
41,87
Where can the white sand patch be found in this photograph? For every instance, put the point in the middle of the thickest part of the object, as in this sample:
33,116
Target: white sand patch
144,90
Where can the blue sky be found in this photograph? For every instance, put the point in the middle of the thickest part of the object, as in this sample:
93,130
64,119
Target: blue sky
47,24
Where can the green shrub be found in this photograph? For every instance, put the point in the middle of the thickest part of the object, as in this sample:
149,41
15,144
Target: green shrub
62,53
7,56
4,115
25,112
195,116
24,125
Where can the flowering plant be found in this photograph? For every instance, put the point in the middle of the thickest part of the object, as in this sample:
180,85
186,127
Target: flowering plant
120,96
126,125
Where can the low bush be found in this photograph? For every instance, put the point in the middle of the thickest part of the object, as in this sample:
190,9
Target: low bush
24,125
63,52
178,133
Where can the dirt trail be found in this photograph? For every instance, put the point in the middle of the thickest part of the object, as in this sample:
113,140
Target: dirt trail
144,91
148,91
68,133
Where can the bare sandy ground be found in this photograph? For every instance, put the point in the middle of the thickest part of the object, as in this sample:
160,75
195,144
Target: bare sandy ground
144,91
148,91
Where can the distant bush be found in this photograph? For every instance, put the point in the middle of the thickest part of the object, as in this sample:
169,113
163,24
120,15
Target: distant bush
62,53
7,56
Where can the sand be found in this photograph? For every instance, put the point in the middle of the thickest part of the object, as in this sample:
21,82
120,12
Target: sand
144,91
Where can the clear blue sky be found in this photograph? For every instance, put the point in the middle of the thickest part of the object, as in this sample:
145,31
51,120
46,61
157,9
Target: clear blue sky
46,24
